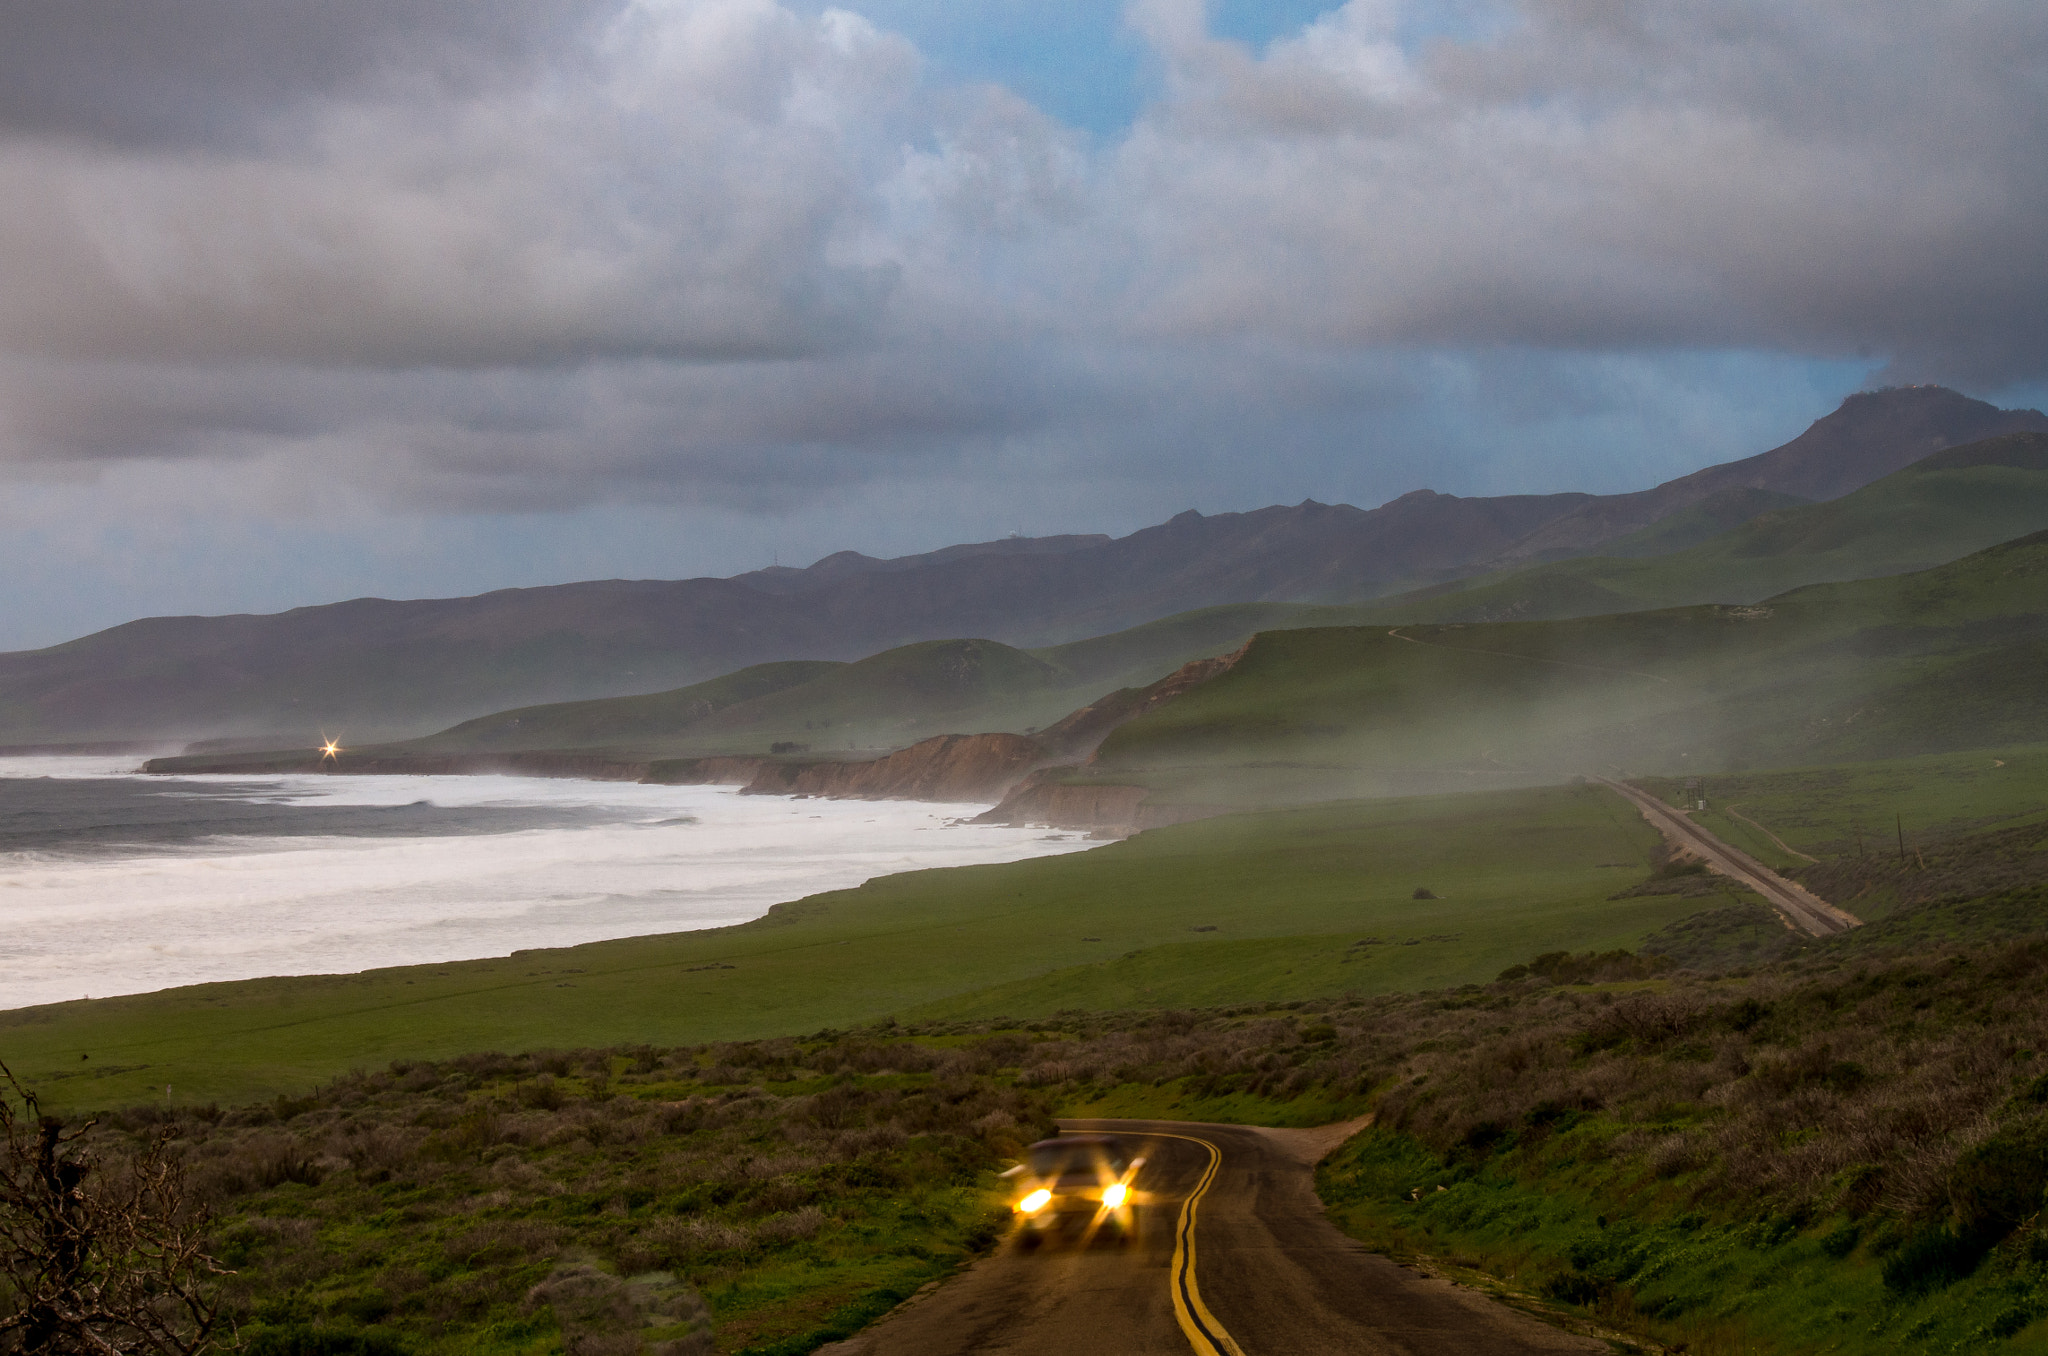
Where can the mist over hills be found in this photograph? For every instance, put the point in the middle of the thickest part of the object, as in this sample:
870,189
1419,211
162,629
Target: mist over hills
374,668
1947,505
1930,662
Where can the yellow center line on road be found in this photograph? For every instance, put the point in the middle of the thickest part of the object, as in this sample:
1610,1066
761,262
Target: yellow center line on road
1204,1333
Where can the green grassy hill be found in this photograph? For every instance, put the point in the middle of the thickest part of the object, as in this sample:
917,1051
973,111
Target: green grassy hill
882,702
1944,659
1704,521
622,720
1941,508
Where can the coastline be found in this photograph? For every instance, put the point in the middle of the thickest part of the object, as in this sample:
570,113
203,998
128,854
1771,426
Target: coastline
1021,779
333,875
1029,780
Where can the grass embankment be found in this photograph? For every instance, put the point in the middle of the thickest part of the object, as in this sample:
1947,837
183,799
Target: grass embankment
1845,1154
1276,905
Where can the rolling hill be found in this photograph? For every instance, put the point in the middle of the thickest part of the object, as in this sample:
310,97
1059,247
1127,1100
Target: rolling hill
828,709
380,669
1872,668
1938,660
1944,506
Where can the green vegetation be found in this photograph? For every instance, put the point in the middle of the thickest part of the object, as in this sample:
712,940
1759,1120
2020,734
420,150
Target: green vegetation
1282,904
779,1194
1946,506
1704,521
617,721
1847,1153
882,702
1820,810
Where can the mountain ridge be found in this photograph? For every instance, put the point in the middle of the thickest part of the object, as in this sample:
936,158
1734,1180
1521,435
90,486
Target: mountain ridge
379,668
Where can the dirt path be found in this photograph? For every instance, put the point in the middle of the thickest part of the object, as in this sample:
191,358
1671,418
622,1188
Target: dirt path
1800,909
1730,809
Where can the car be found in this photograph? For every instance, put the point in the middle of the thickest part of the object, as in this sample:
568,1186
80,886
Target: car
1076,1186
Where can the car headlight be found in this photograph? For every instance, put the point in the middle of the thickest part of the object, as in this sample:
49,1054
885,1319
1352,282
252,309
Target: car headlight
1114,1196
1035,1202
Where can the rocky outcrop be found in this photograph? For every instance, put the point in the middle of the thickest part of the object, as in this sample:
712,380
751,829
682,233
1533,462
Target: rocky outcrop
1059,797
945,768
1077,735
722,770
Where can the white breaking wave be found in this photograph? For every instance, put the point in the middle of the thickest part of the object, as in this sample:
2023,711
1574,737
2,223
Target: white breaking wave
645,859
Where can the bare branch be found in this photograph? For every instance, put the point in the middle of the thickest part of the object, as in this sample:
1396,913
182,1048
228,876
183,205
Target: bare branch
97,1256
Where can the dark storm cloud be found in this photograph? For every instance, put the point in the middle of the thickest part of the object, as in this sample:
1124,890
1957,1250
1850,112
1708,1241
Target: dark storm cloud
726,252
1826,177
671,186
214,71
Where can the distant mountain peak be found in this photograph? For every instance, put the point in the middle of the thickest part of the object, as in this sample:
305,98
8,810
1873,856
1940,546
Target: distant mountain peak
1870,435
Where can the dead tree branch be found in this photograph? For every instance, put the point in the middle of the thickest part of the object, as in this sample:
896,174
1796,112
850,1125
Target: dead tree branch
97,1255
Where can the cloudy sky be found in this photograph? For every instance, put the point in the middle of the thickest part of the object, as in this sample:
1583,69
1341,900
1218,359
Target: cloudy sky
302,301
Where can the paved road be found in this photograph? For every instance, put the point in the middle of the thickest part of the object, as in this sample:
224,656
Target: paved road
1266,1274
1802,910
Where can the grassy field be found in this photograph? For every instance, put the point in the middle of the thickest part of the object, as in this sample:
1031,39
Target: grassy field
1254,907
1819,810
1288,903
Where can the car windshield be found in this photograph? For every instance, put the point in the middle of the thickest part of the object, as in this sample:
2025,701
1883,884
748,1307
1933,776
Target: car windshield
1053,1160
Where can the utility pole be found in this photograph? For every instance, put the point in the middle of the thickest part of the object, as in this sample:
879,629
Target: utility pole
1901,821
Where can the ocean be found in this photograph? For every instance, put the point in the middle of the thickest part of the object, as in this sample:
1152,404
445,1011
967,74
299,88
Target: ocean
112,882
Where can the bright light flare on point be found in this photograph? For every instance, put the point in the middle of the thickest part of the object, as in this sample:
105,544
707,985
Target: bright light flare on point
1115,1194
331,749
1035,1202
